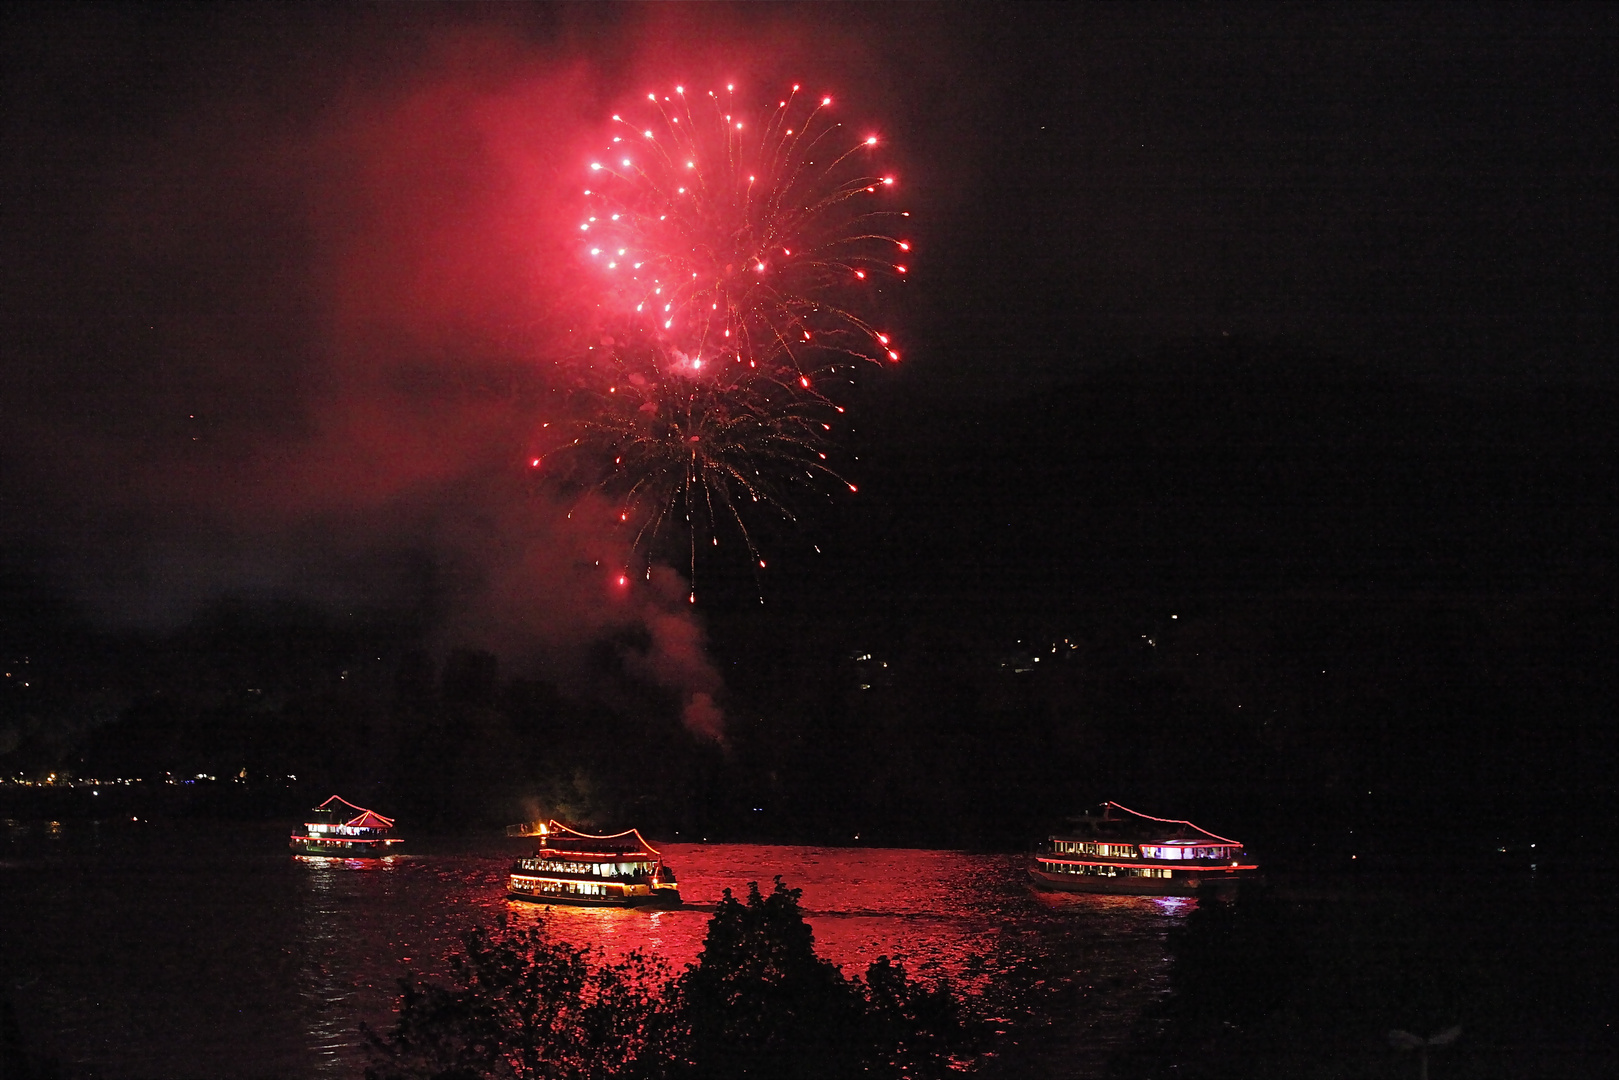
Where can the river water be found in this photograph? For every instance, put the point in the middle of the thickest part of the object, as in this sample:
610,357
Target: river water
196,950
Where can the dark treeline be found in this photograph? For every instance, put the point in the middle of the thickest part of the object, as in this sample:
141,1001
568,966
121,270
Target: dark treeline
1302,602
1283,981
1240,717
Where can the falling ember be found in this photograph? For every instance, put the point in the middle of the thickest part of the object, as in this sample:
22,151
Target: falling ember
714,363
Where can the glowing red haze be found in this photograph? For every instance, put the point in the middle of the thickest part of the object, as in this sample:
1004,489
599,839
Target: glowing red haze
320,314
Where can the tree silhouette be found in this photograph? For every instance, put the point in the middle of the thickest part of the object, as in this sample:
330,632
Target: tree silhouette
758,1002
524,1007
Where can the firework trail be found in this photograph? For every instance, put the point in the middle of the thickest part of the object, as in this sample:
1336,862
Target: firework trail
738,254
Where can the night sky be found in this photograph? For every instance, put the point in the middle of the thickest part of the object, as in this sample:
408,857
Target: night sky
1261,357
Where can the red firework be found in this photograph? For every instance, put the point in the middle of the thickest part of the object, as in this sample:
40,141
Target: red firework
737,239
739,254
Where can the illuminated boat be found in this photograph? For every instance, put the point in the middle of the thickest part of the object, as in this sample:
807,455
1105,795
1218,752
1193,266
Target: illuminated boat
572,867
342,830
1119,850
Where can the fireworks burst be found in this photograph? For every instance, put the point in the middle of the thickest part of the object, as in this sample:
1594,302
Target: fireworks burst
739,253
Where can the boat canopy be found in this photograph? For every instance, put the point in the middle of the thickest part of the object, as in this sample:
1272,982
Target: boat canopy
555,834
1119,821
366,819
370,820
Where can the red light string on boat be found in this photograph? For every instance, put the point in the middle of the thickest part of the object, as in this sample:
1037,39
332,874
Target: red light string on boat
555,824
1174,821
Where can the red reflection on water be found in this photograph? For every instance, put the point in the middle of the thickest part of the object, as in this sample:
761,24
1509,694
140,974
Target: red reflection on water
330,862
943,913
247,953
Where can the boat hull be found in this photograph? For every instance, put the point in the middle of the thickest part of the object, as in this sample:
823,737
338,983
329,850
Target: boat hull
1189,885
661,900
343,849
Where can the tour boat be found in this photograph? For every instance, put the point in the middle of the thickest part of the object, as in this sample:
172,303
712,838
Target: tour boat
342,830
572,867
1122,851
